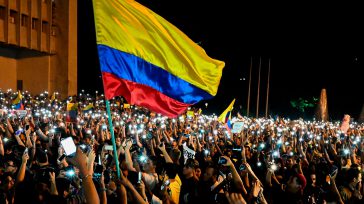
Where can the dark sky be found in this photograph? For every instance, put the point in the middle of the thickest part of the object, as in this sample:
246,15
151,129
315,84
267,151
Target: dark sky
311,47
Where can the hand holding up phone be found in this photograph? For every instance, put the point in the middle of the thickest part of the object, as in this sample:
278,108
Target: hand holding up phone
161,146
25,156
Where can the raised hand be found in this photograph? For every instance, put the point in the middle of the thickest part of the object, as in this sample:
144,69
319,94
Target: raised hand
25,157
235,198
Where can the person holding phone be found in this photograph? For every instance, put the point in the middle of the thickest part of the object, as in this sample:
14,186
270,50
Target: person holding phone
350,191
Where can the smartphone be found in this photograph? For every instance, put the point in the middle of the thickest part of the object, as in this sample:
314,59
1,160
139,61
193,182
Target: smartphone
242,167
26,127
69,146
108,147
333,171
26,150
60,159
222,160
166,183
98,171
139,177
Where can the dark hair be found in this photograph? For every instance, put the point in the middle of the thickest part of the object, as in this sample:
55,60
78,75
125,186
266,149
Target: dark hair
153,159
215,168
352,173
193,163
175,154
41,156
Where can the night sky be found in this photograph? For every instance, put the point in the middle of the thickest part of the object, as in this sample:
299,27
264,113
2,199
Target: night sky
311,47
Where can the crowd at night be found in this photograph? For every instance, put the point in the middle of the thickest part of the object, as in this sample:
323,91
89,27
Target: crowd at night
162,130
188,159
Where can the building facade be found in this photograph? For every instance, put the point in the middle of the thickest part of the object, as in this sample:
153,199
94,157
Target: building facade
38,45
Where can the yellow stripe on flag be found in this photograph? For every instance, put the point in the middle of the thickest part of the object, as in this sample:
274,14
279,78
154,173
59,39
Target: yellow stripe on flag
130,27
222,117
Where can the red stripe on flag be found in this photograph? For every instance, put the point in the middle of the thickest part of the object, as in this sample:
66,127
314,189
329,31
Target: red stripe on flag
142,95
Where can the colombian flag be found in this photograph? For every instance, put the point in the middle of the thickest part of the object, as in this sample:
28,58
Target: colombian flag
72,112
17,102
149,61
225,117
89,107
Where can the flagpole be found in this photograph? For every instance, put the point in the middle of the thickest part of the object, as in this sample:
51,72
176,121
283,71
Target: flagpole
111,127
260,66
250,79
266,103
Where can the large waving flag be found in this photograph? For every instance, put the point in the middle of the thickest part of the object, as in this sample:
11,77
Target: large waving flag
149,61
17,102
225,116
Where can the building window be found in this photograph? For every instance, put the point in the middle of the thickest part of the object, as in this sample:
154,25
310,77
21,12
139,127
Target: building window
45,27
24,20
2,13
13,18
34,23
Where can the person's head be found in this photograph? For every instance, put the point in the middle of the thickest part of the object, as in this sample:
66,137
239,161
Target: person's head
189,168
7,182
41,157
289,162
198,172
10,167
63,186
41,191
211,174
228,152
313,179
149,165
296,184
87,139
174,145
353,176
175,155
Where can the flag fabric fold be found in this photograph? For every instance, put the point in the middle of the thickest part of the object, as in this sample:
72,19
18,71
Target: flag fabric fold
72,112
17,102
149,61
225,116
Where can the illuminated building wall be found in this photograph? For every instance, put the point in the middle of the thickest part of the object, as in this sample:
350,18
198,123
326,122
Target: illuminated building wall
38,45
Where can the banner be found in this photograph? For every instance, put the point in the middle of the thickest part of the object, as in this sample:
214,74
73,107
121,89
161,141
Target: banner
237,127
21,113
188,153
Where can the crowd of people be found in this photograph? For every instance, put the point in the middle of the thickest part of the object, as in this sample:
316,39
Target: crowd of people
193,158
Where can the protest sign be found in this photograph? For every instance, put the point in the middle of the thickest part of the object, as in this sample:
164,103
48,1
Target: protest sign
237,127
188,153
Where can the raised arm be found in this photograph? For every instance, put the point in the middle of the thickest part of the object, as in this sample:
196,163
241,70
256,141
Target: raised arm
128,160
19,140
1,146
9,127
165,153
21,174
130,188
41,135
236,177
87,184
